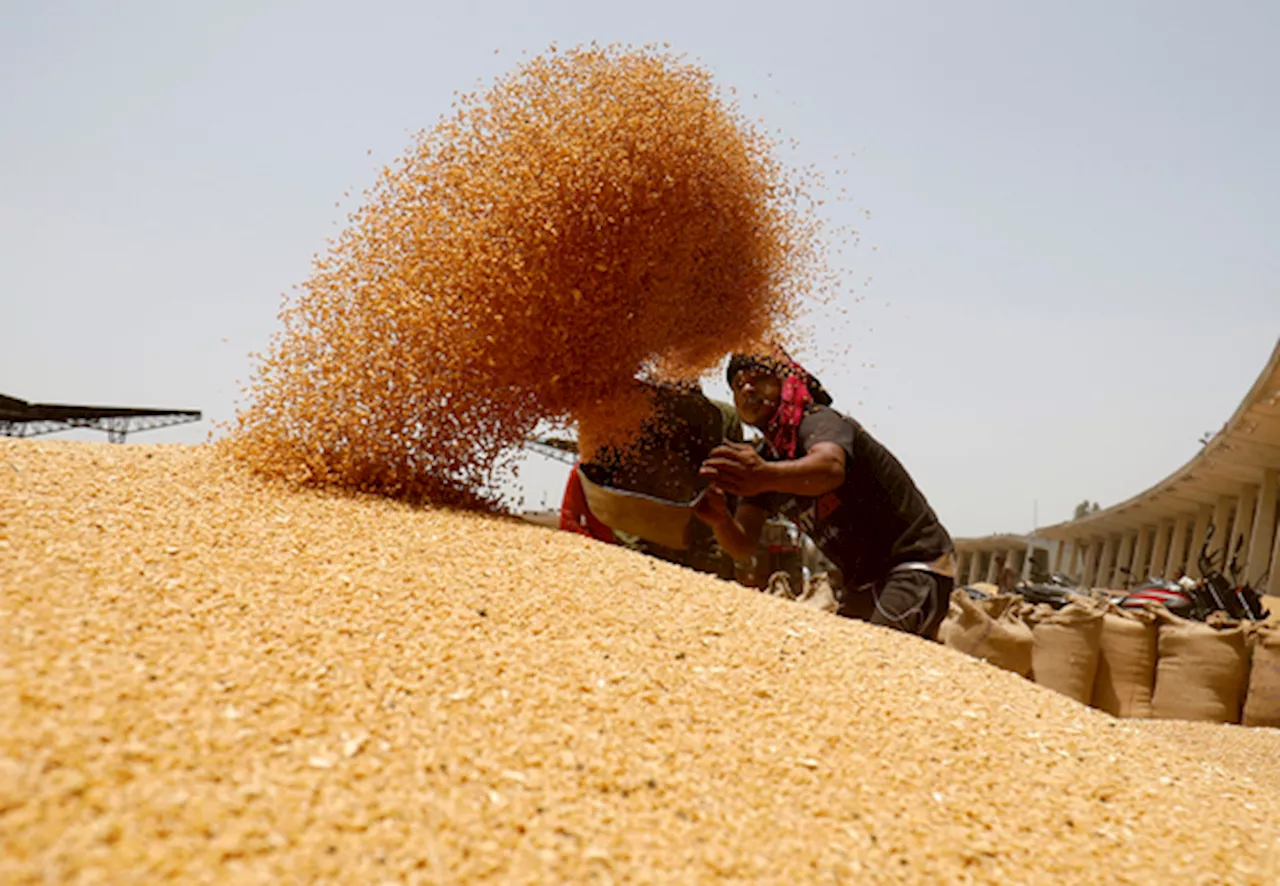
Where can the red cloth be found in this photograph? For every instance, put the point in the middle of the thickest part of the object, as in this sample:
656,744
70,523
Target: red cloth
575,516
784,427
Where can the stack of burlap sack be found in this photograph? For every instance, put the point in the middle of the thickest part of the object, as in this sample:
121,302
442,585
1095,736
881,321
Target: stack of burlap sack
1130,663
819,592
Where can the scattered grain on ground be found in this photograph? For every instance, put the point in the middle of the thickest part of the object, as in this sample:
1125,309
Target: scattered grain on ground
205,677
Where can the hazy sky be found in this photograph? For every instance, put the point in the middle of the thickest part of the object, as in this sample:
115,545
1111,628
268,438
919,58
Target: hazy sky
1073,206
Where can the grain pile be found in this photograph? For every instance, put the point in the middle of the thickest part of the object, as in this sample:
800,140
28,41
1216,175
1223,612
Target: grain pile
206,678
596,213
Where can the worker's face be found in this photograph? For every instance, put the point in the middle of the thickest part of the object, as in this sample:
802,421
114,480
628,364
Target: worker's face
756,394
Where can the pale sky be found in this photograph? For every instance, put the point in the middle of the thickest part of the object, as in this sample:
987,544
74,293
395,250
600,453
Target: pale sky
1073,207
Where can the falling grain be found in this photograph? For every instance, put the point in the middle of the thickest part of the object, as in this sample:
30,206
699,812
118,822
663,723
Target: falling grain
596,213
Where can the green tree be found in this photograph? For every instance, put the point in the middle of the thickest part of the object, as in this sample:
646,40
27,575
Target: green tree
1085,508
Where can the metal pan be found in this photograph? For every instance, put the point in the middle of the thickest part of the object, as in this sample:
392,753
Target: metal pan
663,522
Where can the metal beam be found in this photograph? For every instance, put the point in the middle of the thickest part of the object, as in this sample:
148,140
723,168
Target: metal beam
551,452
23,419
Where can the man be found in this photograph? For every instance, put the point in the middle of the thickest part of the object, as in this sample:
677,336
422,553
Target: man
1005,579
680,434
673,441
844,489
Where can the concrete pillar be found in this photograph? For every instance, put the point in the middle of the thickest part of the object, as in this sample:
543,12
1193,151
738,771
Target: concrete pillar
1264,527
991,568
1160,549
1040,560
1273,580
1011,562
1090,576
1080,561
1173,567
1124,561
1139,570
975,561
1070,556
1242,525
1106,562
1056,564
1222,512
1203,518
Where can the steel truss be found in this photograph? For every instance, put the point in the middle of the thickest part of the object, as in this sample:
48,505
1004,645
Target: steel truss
552,451
19,418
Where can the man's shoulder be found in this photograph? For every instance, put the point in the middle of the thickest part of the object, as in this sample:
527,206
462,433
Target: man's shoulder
823,422
817,413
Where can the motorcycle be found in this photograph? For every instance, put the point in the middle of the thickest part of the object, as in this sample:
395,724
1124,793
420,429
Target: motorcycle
1242,600
1197,600
1051,588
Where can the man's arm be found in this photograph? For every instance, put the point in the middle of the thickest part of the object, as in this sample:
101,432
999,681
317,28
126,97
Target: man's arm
817,473
739,469
737,533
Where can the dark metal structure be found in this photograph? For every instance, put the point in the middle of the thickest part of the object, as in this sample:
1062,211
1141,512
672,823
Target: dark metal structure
565,451
18,418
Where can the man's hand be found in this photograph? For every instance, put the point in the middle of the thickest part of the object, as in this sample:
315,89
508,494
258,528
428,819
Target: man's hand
712,509
738,469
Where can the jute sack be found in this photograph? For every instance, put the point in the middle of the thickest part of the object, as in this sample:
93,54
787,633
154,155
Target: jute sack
952,619
1262,704
1126,662
991,630
1064,650
779,585
1201,673
1253,634
819,593
1034,613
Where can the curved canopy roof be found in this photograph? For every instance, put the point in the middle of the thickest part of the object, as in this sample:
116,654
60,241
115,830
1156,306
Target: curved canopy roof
1235,457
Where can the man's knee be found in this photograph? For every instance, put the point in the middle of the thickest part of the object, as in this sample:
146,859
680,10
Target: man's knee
913,601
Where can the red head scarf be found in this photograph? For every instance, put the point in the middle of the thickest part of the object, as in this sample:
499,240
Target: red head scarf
800,391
